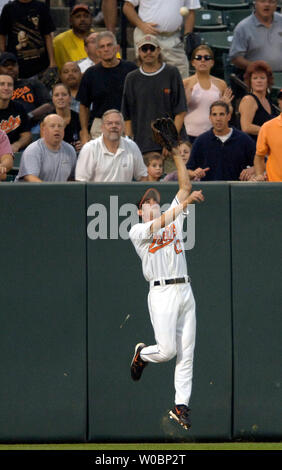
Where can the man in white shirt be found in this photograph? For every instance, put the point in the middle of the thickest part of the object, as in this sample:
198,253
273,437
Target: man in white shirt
158,241
111,157
163,19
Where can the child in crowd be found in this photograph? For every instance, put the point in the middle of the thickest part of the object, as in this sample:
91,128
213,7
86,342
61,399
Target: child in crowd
155,165
185,147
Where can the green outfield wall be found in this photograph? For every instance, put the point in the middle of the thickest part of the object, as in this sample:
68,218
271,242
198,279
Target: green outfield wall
73,304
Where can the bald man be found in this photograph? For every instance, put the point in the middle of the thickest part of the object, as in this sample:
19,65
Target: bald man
48,158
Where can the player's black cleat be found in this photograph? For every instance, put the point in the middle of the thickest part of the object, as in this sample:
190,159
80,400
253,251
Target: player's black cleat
137,364
180,413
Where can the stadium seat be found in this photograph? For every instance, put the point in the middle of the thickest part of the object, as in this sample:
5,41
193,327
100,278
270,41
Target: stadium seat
10,178
217,39
277,76
225,4
209,20
232,17
17,160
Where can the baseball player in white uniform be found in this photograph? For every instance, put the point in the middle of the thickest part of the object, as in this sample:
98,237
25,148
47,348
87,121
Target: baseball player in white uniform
158,242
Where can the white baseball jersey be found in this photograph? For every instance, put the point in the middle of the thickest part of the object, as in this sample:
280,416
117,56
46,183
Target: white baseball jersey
162,253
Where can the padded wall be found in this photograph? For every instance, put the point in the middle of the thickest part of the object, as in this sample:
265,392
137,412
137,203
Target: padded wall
73,307
43,394
257,308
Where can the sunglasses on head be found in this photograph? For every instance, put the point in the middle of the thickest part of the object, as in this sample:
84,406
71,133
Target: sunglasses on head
205,57
148,47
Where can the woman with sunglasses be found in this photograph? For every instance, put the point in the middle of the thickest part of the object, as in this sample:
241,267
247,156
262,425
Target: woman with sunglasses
61,98
201,90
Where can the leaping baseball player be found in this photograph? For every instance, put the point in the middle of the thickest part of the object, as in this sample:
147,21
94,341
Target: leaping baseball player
158,241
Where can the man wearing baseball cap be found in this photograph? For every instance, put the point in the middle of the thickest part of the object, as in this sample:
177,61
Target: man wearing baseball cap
154,90
268,156
69,45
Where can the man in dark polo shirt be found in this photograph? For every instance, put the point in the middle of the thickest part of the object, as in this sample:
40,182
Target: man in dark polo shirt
13,117
224,150
101,86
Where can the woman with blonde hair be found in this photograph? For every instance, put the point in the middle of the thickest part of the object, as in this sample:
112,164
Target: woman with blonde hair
201,90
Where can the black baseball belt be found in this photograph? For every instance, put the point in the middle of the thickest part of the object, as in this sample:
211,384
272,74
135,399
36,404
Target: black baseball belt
177,280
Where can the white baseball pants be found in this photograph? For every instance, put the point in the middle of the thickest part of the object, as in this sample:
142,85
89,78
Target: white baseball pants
172,313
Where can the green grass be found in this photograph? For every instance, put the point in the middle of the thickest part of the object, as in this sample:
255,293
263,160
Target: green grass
156,446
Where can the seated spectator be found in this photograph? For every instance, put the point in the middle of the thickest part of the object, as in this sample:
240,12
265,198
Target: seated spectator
90,45
61,98
6,156
13,117
185,147
111,157
268,147
201,90
30,92
258,37
69,45
48,158
224,152
70,76
256,107
102,86
154,162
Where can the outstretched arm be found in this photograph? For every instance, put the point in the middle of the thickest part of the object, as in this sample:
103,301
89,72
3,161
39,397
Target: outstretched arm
183,176
170,215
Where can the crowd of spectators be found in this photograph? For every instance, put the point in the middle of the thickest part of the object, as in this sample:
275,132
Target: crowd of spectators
76,110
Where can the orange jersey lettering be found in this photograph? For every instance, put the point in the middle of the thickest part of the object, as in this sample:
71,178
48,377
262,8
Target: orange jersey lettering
11,124
167,237
23,93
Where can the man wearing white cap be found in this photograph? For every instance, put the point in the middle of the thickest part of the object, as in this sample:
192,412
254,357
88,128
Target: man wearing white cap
164,19
152,91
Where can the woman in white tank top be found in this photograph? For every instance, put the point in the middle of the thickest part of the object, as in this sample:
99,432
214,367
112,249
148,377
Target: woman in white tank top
201,90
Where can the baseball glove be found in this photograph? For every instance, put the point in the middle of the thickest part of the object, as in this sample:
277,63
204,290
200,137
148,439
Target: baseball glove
165,133
49,77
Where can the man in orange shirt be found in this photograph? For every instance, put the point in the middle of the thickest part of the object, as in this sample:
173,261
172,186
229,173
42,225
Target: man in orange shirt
269,144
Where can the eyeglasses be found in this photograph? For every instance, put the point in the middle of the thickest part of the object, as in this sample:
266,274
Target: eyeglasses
148,47
205,57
